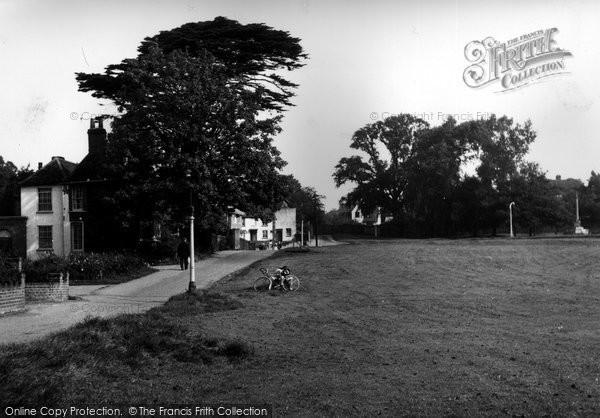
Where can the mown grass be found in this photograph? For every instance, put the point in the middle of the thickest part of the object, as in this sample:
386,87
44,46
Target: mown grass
392,328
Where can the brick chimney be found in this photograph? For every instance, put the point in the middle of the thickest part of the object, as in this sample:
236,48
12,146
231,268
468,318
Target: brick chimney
96,137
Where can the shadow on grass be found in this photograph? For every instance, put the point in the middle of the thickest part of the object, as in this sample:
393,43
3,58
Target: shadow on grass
45,371
198,302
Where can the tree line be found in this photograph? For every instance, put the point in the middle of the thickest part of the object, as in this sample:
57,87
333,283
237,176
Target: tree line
459,178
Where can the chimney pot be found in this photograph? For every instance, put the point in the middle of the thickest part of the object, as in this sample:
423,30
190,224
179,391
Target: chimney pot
40,165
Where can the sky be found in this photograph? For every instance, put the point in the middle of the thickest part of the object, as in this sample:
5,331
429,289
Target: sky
367,60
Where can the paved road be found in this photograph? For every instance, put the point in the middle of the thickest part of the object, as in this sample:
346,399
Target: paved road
132,297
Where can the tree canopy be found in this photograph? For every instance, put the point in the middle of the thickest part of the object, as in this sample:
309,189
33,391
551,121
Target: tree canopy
200,106
254,55
451,178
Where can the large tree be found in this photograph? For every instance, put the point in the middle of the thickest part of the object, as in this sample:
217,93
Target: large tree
200,106
380,173
503,146
185,133
434,174
536,204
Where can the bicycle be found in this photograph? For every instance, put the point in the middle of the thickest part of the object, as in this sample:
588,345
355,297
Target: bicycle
270,281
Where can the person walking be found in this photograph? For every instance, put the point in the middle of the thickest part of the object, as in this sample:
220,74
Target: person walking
183,253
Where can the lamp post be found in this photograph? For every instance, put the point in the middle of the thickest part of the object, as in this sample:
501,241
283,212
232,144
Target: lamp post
192,284
510,217
316,221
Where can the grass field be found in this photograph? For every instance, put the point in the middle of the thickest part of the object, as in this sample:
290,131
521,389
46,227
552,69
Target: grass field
397,327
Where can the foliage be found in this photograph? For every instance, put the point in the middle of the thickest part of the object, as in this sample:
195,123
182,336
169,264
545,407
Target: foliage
201,104
82,266
254,55
161,251
10,176
8,272
381,180
38,270
337,217
537,205
306,200
589,202
421,175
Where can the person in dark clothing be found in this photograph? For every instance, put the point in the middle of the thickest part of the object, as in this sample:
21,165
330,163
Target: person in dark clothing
183,253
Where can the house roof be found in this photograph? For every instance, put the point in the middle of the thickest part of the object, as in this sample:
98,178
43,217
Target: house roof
56,171
92,167
236,211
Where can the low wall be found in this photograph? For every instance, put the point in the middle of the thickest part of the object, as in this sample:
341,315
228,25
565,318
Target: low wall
53,291
12,295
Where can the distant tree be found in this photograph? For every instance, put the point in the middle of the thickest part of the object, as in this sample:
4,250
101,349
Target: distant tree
306,200
338,216
536,204
503,146
416,172
469,199
589,201
434,174
10,176
381,175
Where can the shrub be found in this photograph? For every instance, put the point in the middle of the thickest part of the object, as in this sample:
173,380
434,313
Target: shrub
8,273
38,270
159,252
84,267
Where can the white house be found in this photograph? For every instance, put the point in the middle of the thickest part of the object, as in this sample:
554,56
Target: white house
45,203
372,218
248,231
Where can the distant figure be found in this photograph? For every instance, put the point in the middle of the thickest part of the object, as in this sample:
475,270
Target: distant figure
183,253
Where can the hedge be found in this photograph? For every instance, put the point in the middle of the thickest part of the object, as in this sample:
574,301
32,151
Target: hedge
83,267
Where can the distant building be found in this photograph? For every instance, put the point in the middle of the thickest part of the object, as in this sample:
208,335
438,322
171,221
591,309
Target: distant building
376,217
249,232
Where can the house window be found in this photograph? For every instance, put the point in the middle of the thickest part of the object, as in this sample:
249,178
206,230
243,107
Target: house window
288,232
45,199
265,234
45,237
77,198
77,236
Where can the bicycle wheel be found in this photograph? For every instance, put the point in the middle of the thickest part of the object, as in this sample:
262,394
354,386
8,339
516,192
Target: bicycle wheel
262,284
291,283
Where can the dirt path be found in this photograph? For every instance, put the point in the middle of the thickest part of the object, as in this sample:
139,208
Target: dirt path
135,296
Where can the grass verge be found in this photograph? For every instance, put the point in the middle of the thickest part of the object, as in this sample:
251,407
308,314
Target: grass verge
61,368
